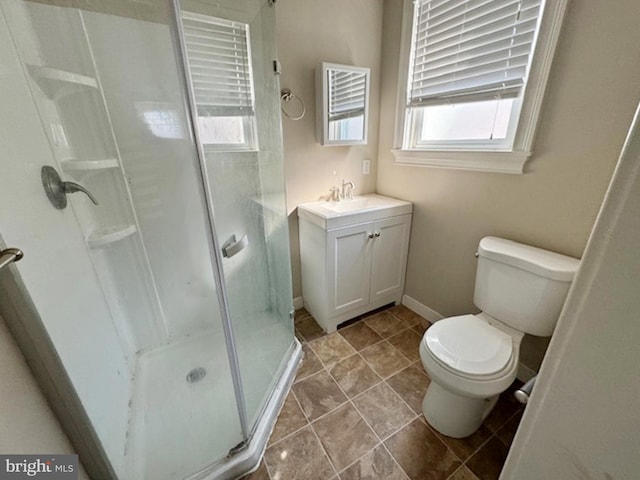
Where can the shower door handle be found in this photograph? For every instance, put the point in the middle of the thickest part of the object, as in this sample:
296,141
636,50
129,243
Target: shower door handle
233,246
9,255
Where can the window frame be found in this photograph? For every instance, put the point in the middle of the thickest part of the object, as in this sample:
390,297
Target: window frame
472,155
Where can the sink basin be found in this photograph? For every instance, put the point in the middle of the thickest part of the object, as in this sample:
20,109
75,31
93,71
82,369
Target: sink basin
357,203
361,209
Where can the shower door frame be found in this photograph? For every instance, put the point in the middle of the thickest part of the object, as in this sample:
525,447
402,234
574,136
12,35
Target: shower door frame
215,254
250,450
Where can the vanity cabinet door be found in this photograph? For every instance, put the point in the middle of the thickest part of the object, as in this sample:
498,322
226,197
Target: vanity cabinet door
389,256
349,267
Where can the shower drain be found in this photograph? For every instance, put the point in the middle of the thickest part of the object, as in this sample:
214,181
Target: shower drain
196,374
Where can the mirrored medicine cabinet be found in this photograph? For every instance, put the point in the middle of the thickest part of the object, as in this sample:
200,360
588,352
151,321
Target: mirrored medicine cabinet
342,104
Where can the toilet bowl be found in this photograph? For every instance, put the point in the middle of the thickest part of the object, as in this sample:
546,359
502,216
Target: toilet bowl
471,359
470,363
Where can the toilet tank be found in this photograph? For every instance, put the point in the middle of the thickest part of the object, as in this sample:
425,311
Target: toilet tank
522,286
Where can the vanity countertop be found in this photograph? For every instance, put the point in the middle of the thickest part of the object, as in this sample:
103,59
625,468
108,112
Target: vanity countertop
361,209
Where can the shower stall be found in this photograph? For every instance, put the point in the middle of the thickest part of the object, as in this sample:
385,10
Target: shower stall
143,179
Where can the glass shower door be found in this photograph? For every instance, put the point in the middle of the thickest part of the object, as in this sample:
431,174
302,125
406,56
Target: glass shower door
235,90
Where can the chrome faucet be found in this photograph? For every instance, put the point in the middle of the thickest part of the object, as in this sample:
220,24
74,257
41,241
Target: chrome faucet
347,190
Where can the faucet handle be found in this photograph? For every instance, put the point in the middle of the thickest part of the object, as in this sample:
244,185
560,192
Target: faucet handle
335,194
347,189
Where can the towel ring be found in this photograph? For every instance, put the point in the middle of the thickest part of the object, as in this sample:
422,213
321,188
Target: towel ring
287,96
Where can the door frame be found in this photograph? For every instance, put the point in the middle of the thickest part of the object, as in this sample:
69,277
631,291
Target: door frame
28,330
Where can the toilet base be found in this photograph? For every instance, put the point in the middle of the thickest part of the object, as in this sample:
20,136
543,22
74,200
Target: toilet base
455,415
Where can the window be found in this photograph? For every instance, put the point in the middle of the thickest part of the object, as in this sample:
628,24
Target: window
472,77
219,60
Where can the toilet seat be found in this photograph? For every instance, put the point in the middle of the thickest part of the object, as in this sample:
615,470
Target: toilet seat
469,346
498,364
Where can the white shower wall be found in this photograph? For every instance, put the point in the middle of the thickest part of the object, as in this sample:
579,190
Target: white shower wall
144,99
78,128
57,269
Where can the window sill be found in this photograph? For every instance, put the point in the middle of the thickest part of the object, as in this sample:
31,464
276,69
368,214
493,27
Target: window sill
495,162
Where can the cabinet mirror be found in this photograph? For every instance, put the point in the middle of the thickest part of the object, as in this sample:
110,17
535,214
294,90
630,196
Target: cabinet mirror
342,104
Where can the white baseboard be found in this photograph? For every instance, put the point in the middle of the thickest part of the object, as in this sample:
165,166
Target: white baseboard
298,303
421,309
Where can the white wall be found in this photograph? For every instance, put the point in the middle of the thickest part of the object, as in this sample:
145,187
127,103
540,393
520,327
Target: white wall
310,32
582,421
28,424
584,119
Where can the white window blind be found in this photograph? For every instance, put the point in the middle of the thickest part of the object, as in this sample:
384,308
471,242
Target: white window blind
468,50
346,94
220,65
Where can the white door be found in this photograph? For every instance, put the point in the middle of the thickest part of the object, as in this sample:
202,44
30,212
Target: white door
349,267
389,257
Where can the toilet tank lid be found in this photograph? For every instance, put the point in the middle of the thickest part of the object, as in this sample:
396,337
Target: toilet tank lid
536,260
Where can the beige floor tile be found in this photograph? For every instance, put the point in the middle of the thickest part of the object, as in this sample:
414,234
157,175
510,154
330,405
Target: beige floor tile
422,326
383,409
506,407
385,324
318,394
298,457
465,447
409,317
411,384
331,349
487,462
508,430
408,342
360,335
354,375
345,435
385,359
378,464
308,328
290,419
463,473
421,454
309,365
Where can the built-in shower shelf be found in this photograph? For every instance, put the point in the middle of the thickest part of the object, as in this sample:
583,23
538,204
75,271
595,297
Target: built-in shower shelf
57,83
89,165
106,236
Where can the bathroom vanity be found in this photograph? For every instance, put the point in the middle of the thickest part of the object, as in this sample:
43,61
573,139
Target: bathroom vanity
353,255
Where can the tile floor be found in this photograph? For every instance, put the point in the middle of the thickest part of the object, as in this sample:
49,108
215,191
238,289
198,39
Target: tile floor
354,411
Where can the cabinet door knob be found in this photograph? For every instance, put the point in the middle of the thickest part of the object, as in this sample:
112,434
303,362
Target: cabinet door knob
370,235
377,234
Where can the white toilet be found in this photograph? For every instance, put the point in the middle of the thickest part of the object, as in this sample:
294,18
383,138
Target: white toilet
471,359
